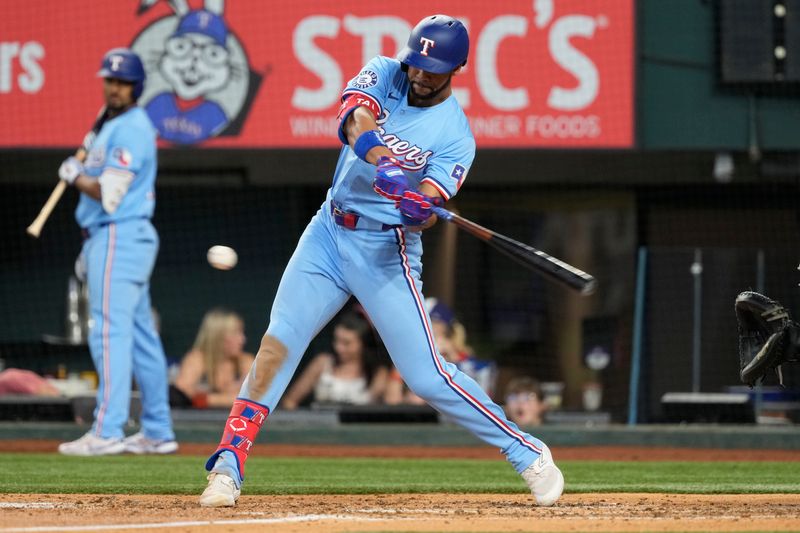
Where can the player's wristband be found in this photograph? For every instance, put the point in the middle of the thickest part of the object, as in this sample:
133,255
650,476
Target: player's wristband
366,142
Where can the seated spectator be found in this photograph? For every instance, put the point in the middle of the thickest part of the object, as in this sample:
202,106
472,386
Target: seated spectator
451,340
19,381
525,402
212,373
349,375
451,337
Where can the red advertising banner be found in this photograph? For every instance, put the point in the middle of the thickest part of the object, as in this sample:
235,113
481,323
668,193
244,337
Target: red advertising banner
541,73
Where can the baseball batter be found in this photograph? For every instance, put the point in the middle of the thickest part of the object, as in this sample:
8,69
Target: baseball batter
408,146
117,185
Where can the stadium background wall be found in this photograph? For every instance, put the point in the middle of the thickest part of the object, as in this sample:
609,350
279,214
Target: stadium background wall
592,207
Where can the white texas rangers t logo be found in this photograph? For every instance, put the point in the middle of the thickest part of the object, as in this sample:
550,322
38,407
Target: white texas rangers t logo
116,61
425,44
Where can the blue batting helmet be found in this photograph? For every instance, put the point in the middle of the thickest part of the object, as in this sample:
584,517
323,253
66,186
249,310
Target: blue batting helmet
124,64
438,44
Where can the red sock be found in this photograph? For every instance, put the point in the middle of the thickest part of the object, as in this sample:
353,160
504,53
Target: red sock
243,424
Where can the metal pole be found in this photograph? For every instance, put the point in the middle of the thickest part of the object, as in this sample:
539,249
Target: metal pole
638,332
760,282
697,319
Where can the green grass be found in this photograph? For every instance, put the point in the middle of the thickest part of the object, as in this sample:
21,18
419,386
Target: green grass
50,473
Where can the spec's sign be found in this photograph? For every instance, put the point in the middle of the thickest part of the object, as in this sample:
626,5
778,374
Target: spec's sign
541,73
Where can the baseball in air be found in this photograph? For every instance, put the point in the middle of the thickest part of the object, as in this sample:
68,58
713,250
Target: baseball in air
222,257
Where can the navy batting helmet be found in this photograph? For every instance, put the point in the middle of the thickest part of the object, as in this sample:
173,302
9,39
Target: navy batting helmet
438,44
124,64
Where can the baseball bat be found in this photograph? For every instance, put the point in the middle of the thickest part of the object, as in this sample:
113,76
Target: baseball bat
528,256
35,228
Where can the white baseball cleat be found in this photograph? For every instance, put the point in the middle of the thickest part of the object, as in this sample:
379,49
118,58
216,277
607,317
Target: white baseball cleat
544,479
220,492
90,445
140,445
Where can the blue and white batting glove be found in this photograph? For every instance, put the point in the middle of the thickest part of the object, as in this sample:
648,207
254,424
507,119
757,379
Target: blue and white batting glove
415,207
70,169
390,180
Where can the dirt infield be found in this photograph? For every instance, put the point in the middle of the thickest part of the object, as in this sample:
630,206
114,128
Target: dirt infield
497,513
405,512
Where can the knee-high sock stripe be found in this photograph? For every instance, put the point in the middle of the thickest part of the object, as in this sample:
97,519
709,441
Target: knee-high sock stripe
472,401
112,237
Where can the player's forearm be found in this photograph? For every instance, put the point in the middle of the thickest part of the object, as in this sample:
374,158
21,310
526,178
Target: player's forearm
428,190
360,121
89,186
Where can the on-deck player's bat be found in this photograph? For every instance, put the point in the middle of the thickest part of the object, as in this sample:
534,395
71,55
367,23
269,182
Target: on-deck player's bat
528,256
35,229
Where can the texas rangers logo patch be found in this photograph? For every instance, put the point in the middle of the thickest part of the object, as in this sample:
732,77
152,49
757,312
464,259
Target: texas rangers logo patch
122,157
365,78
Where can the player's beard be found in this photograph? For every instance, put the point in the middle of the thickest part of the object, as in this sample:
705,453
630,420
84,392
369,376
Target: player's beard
117,107
118,101
433,94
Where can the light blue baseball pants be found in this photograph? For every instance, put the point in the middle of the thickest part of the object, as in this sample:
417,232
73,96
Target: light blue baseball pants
123,339
382,269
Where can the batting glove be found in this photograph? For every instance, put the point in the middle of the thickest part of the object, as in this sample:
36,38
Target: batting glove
415,207
390,181
70,169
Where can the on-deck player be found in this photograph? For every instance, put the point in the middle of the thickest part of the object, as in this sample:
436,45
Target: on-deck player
117,185
399,115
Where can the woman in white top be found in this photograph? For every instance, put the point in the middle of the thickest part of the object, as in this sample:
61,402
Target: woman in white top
350,375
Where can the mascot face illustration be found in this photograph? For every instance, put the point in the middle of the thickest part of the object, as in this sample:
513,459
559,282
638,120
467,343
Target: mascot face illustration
197,63
199,81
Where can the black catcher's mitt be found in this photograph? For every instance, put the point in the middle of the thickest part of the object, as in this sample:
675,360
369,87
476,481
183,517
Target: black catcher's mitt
767,336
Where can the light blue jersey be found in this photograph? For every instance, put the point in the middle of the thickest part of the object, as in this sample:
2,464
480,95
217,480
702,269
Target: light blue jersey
125,143
434,145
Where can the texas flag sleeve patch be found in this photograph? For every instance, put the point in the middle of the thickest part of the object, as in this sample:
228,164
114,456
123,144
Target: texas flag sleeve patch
458,173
